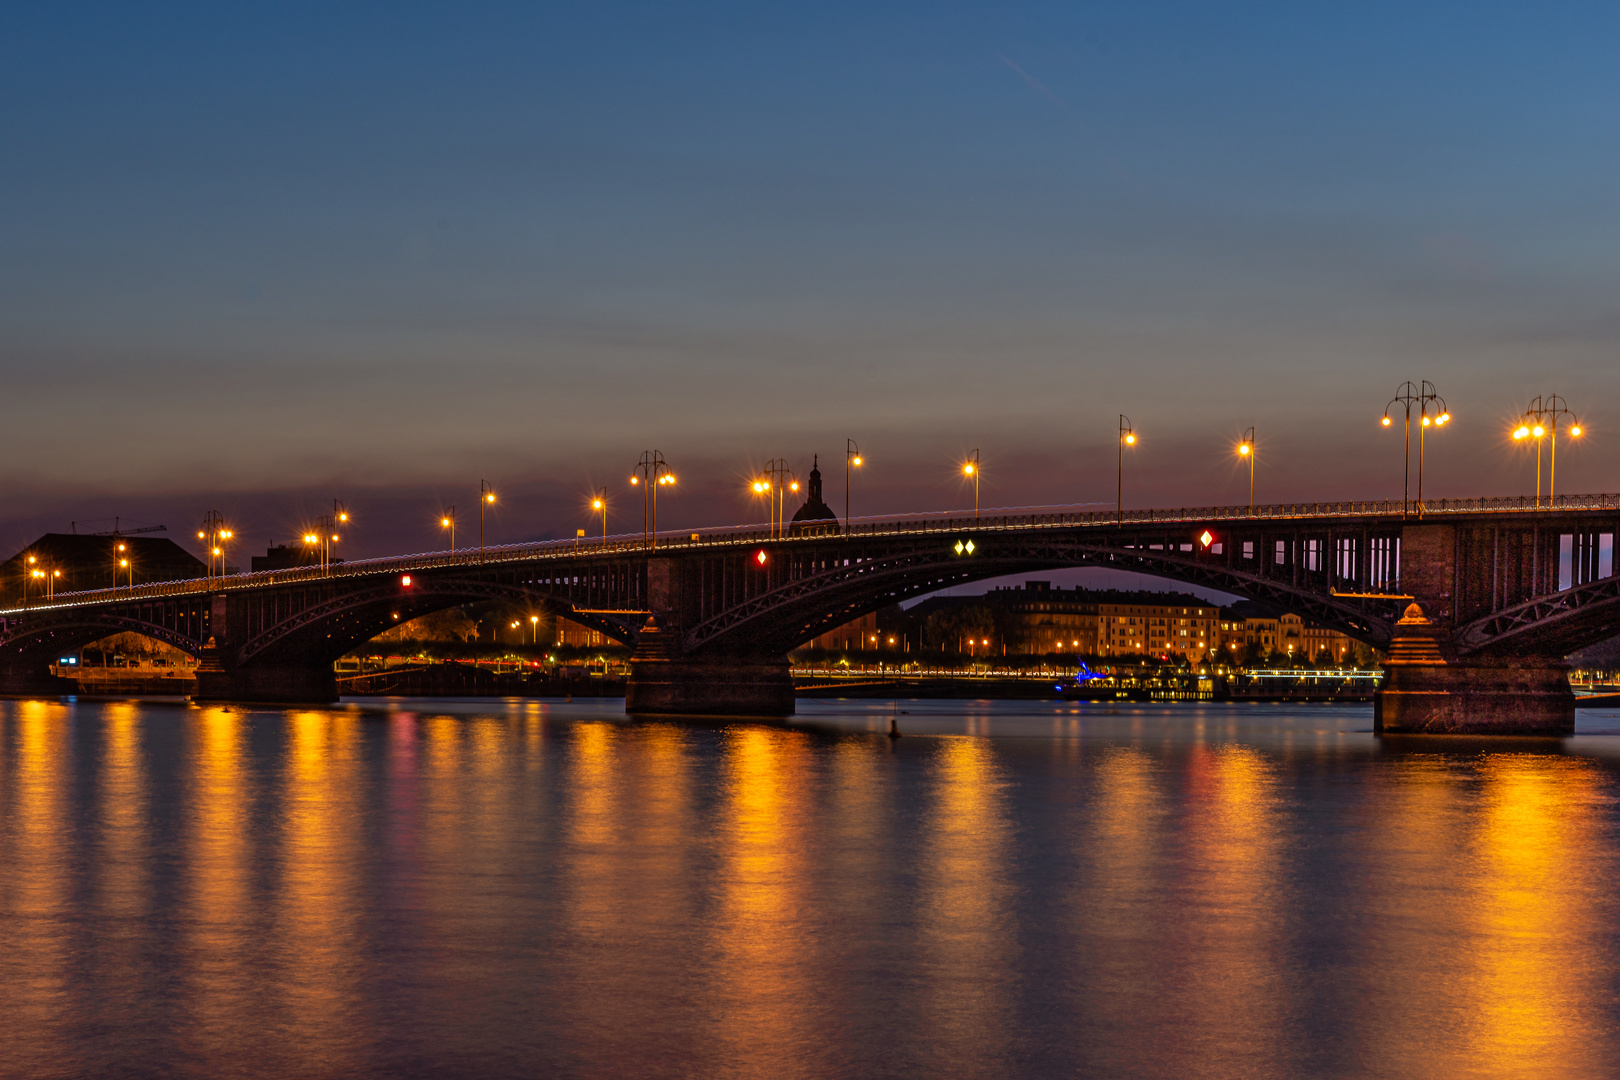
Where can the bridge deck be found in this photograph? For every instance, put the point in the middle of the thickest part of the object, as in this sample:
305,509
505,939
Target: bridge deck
686,540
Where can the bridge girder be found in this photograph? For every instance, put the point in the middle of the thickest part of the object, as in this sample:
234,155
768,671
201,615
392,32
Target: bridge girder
1553,625
73,628
800,609
333,627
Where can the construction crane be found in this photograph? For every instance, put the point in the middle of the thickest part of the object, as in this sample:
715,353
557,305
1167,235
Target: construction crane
116,531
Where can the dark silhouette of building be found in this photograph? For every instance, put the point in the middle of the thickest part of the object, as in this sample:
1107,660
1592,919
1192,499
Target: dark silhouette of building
288,557
815,518
69,562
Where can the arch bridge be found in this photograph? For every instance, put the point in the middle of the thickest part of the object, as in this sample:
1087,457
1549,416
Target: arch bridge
1503,590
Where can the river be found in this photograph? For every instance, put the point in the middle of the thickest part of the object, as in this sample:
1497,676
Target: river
1014,889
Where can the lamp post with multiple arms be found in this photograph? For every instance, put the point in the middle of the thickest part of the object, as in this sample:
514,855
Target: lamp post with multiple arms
322,537
1424,397
486,496
1540,420
654,472
1246,450
213,534
448,521
774,482
599,504
970,468
852,458
1127,437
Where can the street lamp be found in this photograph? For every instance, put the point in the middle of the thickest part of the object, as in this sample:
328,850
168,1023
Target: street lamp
1127,437
486,496
213,534
1246,450
322,539
119,562
1540,420
852,458
970,468
534,629
763,487
448,521
775,482
600,504
655,473
1423,396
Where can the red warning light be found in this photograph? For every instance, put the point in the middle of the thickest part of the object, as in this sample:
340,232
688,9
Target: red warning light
761,557
406,581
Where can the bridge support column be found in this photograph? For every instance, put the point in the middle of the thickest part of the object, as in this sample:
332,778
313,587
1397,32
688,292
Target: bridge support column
219,683
271,686
1425,692
1527,696
662,681
24,677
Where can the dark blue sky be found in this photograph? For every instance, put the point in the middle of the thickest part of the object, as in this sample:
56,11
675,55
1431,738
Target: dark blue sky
257,258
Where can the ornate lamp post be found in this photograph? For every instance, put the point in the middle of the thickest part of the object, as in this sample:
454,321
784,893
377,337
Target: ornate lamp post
486,497
600,504
213,534
1423,396
1246,450
1127,437
1540,420
776,480
852,458
970,468
654,473
322,538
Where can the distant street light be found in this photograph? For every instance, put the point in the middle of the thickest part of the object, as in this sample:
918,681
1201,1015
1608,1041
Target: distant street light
534,628
970,468
1423,396
852,458
1127,437
600,504
1540,419
119,560
1246,450
486,496
448,521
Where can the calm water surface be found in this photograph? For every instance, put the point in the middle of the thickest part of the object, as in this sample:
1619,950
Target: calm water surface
520,888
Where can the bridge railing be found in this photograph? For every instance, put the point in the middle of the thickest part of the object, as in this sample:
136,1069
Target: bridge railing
947,522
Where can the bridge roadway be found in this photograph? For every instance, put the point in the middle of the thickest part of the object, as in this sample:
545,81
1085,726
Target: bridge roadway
1502,590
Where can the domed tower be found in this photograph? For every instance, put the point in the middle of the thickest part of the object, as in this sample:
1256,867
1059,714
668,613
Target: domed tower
815,518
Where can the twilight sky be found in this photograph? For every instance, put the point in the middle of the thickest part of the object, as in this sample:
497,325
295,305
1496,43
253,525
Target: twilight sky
257,259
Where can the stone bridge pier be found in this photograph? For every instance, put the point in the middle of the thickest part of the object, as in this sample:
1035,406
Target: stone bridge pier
669,676
1450,670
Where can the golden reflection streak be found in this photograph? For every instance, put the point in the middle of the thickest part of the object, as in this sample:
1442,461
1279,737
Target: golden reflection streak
1231,987
218,890
630,835
1117,904
121,861
968,936
764,993
319,902
35,950
1538,994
